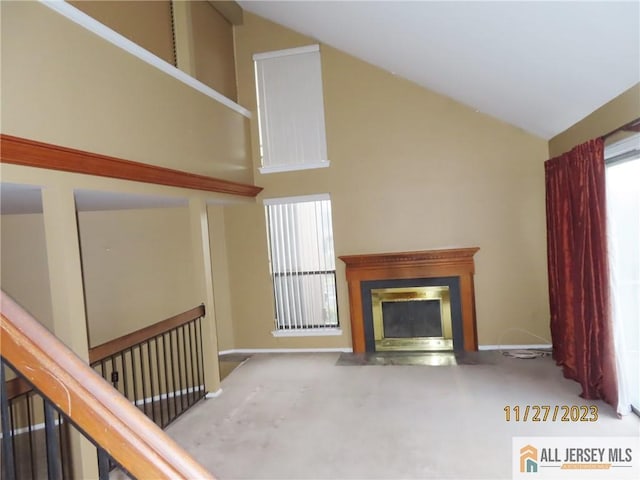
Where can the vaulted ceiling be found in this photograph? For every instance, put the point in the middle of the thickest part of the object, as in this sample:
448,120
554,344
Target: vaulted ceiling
538,65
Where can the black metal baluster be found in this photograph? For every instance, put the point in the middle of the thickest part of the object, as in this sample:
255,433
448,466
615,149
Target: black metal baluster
8,459
195,334
125,383
184,391
53,448
58,422
185,340
166,378
144,380
159,382
135,379
152,396
114,373
65,446
180,364
194,394
32,460
12,436
104,464
173,374
201,354
196,352
186,337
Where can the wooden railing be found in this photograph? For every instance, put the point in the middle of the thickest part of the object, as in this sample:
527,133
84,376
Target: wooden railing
159,368
110,348
76,390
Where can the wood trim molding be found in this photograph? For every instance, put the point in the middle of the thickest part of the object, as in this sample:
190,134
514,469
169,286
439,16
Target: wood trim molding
31,153
114,423
460,257
456,262
119,344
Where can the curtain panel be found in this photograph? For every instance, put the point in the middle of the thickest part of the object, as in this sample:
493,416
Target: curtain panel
581,329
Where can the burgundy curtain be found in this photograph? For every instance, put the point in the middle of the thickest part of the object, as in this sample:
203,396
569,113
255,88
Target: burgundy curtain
581,329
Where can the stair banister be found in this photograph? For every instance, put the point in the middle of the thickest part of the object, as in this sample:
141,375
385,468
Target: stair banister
124,432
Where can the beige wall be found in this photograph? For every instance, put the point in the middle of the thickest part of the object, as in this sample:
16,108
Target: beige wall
612,115
410,170
213,49
220,271
25,274
129,229
136,263
137,269
64,85
149,24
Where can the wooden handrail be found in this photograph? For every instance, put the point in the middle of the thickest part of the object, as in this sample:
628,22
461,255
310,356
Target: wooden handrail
105,350
125,433
18,386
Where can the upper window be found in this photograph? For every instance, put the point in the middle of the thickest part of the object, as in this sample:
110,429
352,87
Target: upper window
290,109
303,265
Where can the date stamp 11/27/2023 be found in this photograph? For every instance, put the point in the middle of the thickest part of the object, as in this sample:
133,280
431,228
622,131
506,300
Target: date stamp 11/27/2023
551,413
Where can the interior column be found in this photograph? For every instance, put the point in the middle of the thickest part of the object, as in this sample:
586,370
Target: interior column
67,298
204,283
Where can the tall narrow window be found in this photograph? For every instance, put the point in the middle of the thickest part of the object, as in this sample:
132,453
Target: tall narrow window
290,109
302,264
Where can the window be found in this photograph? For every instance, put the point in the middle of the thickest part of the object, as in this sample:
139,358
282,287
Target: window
290,109
623,216
302,263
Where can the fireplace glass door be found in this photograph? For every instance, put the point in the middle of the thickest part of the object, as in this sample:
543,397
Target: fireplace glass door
412,319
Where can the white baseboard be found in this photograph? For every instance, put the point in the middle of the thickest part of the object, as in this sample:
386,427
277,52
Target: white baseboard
37,426
215,394
287,350
311,332
540,346
164,396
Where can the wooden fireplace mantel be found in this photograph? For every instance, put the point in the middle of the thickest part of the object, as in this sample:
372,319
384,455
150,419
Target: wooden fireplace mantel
457,262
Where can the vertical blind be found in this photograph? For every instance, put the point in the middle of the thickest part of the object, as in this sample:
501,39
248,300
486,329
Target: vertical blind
302,262
290,109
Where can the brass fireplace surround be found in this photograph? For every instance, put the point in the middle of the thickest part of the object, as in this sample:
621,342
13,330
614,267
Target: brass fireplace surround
412,294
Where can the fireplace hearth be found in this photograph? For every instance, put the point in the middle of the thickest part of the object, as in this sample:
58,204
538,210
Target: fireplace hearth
412,301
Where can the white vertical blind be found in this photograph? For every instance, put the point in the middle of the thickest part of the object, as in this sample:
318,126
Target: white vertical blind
290,109
302,262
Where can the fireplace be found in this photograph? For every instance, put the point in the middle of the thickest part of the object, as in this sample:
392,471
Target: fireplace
412,301
411,318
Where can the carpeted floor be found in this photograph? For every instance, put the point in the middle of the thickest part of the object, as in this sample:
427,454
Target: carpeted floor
302,416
